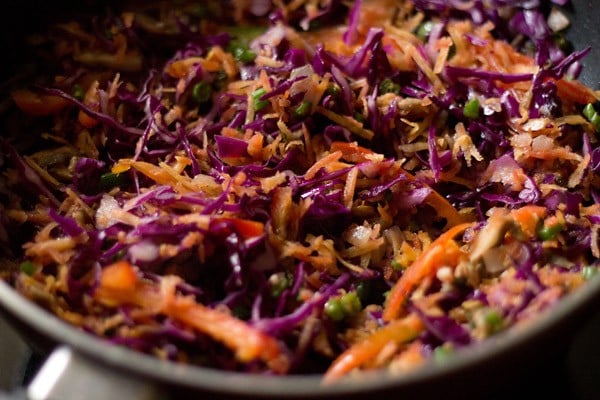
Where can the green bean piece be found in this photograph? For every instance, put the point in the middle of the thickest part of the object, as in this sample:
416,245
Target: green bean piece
424,30
442,354
303,109
220,80
590,113
258,103
27,267
241,52
589,271
471,109
549,232
201,92
363,290
110,180
78,92
334,309
333,90
388,86
279,282
351,304
494,321
396,265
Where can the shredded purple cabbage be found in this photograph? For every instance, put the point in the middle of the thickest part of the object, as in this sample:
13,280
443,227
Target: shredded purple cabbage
291,169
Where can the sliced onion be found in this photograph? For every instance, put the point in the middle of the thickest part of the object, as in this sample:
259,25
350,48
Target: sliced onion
557,21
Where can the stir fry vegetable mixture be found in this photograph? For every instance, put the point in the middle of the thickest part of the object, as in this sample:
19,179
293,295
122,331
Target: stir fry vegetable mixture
302,186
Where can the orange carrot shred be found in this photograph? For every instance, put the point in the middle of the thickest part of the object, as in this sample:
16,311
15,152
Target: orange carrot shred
119,276
443,251
247,228
352,152
248,343
444,209
398,331
120,284
528,217
36,104
575,91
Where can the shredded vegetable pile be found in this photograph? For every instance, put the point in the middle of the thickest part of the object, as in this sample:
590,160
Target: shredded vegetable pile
301,187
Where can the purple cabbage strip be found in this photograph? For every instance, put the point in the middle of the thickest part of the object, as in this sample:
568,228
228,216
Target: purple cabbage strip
186,144
289,293
351,34
67,224
231,147
282,87
527,258
347,93
377,190
104,118
570,202
86,178
444,328
281,325
159,195
460,72
326,206
353,65
414,197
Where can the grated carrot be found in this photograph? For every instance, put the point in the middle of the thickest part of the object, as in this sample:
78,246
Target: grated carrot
443,251
322,163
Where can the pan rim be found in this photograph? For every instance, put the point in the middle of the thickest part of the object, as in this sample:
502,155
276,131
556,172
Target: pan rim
571,308
568,310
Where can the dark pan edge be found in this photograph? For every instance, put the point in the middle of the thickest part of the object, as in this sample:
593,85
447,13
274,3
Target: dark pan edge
562,319
559,322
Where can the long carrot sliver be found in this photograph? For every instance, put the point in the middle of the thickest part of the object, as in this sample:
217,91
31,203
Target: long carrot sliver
443,251
398,331
444,208
38,104
248,343
353,152
120,285
157,174
247,228
575,91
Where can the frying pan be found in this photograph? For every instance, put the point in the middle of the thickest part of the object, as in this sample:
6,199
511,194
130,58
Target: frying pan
81,366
